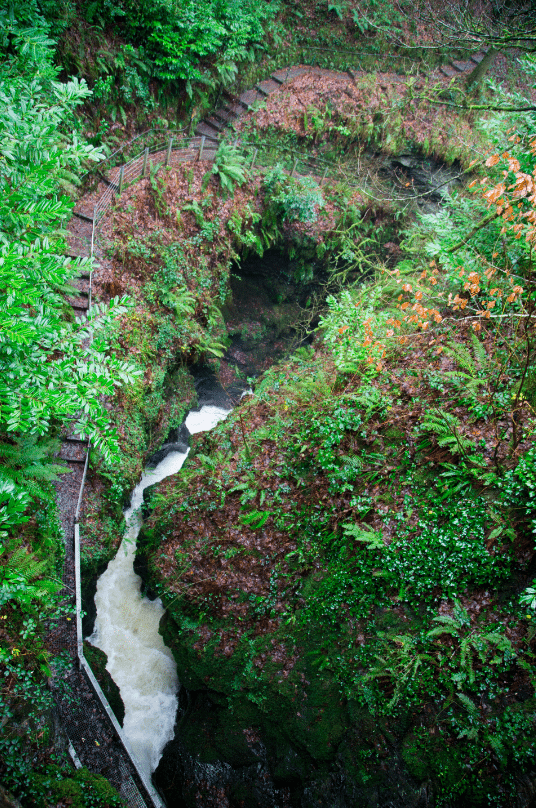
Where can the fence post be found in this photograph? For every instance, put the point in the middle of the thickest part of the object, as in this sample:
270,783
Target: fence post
201,147
294,167
323,177
121,173
145,156
254,158
168,153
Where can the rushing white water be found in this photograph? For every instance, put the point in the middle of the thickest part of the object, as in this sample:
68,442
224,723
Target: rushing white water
126,627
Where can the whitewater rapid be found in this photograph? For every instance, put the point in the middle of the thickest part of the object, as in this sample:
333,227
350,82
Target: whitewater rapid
126,627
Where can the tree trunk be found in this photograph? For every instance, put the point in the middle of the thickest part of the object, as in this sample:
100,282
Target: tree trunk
478,73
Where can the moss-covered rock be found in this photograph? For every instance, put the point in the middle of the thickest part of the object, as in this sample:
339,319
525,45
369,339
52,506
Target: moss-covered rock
83,789
97,660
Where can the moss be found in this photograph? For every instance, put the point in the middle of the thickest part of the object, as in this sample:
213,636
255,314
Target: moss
98,660
312,717
82,790
428,757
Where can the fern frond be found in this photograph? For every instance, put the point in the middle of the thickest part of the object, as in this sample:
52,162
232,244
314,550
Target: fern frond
496,744
206,460
463,357
469,704
353,463
466,658
447,429
255,519
23,563
365,534
480,351
437,632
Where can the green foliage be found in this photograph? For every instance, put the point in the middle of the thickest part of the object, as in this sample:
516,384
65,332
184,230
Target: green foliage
52,784
21,577
447,430
48,370
349,327
293,198
228,166
528,597
172,39
26,463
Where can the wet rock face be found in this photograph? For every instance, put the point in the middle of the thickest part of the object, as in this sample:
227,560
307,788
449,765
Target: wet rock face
212,763
177,440
425,180
245,758
215,761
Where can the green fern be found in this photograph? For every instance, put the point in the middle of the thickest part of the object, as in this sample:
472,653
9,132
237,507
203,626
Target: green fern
468,704
25,462
255,519
353,464
447,429
248,492
180,299
475,367
400,663
228,166
18,575
366,535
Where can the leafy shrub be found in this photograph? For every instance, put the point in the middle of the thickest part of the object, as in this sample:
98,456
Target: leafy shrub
444,555
351,328
228,166
294,198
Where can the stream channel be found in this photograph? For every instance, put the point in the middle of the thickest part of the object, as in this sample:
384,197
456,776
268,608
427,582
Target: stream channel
126,626
266,318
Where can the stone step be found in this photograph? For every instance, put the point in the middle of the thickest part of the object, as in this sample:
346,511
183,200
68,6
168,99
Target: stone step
287,74
477,57
209,155
225,116
77,253
215,123
448,71
206,130
462,67
234,108
268,86
185,155
108,181
80,292
248,98
86,217
78,303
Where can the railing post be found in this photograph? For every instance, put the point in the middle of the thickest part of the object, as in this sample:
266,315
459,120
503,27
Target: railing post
121,173
253,158
294,167
145,156
168,153
201,147
324,175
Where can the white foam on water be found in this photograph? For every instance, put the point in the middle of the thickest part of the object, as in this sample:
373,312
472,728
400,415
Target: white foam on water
126,627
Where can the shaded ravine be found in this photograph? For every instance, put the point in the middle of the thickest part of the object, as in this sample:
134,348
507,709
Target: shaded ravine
82,722
126,626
